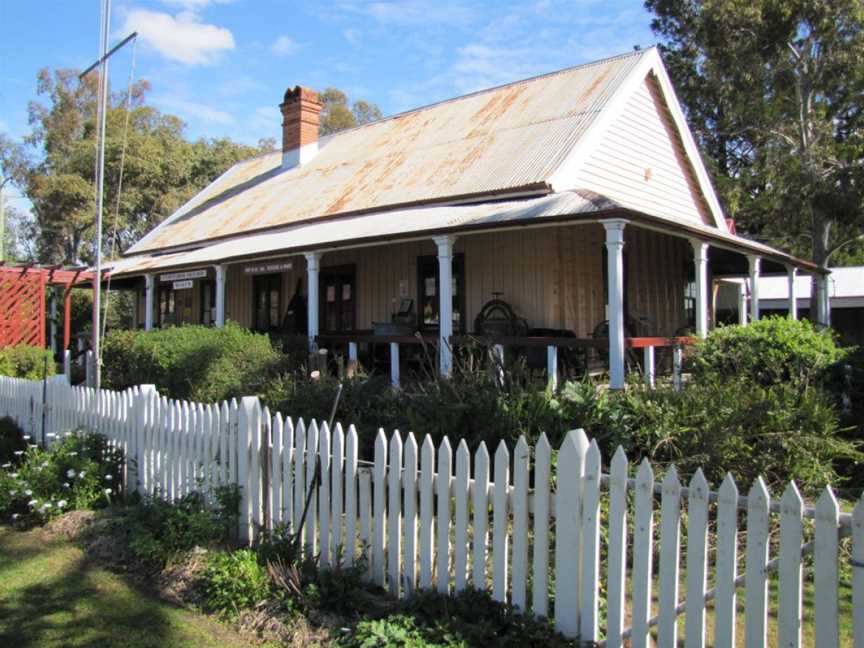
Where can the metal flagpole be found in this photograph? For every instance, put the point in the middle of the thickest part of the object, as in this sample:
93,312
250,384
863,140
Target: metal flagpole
100,182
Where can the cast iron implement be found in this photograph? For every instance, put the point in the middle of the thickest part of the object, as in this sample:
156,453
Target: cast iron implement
294,543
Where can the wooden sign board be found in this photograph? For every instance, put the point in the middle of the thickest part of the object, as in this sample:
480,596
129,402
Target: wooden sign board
182,276
267,267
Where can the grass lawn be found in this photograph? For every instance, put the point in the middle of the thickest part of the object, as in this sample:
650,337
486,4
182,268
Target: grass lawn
50,595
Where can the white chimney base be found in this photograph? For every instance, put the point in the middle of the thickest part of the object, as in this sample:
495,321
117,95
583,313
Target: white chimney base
299,156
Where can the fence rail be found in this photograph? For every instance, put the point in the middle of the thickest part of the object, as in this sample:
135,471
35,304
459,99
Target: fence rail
517,522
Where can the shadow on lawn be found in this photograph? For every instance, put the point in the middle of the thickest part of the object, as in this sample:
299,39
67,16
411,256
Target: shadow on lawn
79,604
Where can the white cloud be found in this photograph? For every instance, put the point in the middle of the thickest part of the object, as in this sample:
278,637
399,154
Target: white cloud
267,119
194,109
353,36
240,86
182,38
194,5
414,12
284,46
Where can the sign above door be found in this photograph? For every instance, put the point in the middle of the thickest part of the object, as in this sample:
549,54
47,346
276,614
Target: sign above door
267,267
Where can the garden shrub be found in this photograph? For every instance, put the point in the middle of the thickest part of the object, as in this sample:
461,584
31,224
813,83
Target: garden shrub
160,531
770,351
200,363
80,471
470,618
23,361
233,581
721,421
731,425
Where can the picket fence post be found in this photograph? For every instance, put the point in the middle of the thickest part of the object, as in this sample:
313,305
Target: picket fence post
141,400
248,428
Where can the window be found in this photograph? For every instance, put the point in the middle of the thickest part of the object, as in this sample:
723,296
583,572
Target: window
167,306
690,304
428,287
337,299
208,302
267,291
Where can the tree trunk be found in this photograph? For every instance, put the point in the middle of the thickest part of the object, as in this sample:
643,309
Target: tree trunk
821,231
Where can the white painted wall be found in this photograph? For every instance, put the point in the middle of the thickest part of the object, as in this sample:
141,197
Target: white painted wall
640,162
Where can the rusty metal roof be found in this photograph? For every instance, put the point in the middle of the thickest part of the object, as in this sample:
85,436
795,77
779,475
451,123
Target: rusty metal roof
498,141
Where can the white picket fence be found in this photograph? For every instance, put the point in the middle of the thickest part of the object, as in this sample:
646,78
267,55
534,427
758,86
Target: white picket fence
417,523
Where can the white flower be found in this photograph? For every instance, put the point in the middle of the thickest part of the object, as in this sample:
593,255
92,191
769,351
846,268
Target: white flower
19,452
13,492
51,435
26,437
82,473
28,492
61,503
65,484
13,475
46,505
70,473
44,465
109,477
108,491
7,465
73,454
15,516
32,502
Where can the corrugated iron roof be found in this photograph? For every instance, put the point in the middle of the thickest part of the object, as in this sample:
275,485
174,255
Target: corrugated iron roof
506,139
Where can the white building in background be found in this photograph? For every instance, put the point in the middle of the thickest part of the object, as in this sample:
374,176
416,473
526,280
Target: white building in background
845,291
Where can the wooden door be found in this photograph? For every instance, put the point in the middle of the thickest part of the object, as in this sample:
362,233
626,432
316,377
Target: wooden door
338,304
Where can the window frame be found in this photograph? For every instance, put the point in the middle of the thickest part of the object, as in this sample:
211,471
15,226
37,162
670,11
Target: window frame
425,262
270,278
347,269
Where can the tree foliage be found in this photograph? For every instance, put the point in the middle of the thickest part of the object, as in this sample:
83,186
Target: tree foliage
772,89
55,166
337,114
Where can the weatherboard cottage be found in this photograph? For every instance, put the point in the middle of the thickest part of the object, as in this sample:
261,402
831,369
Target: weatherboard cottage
570,210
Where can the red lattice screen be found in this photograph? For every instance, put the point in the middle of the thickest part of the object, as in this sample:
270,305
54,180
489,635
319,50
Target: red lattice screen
22,307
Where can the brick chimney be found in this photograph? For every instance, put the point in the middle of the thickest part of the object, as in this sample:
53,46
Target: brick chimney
301,110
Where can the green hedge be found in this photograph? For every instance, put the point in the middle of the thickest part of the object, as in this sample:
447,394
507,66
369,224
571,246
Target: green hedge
199,363
23,361
771,351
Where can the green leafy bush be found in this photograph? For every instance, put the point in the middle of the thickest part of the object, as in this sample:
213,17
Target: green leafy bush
771,351
470,618
234,581
781,430
80,471
200,363
159,530
729,425
23,361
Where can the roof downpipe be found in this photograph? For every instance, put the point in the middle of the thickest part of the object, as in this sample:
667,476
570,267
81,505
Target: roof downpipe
301,113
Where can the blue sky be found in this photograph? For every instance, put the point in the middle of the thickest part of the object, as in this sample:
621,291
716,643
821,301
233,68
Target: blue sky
223,65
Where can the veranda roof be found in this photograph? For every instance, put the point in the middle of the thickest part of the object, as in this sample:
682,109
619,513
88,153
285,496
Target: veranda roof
416,222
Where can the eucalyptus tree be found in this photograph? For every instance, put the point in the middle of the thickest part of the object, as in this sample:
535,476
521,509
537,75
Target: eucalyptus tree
773,89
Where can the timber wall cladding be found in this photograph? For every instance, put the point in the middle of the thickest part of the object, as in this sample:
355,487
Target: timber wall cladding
641,163
553,277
